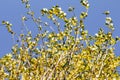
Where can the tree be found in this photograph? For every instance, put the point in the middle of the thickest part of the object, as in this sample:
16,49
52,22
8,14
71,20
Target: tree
69,53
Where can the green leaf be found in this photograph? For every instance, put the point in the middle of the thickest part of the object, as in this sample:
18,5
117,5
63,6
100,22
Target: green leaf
83,15
85,3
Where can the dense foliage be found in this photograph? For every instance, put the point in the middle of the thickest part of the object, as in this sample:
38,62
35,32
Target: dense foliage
67,53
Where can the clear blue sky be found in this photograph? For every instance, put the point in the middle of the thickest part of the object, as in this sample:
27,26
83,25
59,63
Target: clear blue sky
12,10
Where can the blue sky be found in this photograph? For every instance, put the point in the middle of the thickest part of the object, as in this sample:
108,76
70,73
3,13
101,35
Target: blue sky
13,10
